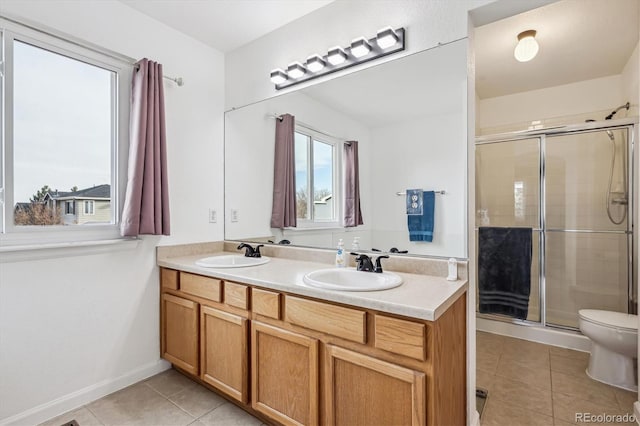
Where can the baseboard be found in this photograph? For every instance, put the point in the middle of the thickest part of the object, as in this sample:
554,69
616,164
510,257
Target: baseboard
84,396
636,411
548,336
475,420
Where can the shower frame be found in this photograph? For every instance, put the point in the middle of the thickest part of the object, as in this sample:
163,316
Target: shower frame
628,124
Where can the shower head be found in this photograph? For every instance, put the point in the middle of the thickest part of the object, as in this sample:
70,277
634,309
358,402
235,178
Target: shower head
610,116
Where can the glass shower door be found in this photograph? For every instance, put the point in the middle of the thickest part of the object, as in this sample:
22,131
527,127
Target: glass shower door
508,195
587,242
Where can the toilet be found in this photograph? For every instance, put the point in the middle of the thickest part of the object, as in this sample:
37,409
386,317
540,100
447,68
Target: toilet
614,346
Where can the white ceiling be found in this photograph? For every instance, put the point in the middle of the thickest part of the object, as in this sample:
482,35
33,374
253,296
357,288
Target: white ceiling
226,24
579,40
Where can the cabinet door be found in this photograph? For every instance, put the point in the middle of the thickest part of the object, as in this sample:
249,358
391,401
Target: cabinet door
180,332
361,390
224,352
284,375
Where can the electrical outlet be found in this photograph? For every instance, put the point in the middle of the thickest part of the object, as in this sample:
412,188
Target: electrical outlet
213,216
234,215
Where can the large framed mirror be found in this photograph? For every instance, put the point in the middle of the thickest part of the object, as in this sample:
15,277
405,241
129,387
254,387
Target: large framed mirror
409,118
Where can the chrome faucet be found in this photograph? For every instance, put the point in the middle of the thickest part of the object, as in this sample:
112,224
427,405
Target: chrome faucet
365,263
250,251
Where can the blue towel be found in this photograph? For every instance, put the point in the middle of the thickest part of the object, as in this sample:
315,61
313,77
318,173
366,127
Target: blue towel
504,271
421,226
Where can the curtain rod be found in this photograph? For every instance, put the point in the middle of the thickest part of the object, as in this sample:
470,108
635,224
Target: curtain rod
306,126
178,80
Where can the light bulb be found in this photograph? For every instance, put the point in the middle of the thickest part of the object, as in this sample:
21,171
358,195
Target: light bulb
315,63
336,55
386,38
278,76
296,70
360,47
527,47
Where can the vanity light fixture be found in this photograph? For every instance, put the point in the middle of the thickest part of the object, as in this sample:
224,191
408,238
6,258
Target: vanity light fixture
315,63
336,55
360,47
296,70
386,38
278,76
361,50
527,47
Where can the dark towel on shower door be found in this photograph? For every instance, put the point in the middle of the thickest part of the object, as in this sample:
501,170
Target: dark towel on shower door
504,270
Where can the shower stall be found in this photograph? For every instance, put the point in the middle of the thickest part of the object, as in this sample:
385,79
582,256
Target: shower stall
573,186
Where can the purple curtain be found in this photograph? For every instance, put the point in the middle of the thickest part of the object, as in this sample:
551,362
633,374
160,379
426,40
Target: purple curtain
283,210
146,204
352,212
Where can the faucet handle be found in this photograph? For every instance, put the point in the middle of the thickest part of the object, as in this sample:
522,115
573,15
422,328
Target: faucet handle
379,263
256,251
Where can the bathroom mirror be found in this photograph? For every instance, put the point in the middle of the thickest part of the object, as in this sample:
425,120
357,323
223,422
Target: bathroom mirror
409,117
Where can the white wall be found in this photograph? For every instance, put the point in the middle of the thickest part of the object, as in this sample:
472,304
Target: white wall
630,81
74,328
599,95
429,153
427,23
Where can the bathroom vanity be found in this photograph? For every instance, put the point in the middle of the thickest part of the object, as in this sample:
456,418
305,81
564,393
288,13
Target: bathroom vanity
298,355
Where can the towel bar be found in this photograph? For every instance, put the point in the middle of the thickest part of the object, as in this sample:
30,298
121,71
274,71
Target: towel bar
442,192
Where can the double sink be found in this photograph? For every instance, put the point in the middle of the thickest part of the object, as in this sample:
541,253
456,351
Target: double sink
339,279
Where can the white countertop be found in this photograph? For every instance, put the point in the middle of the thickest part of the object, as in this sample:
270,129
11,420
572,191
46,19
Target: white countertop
420,296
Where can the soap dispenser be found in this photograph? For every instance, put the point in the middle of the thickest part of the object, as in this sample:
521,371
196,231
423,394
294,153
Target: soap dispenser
355,245
340,255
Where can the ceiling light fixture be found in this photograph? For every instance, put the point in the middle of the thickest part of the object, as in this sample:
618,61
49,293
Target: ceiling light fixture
361,50
336,55
527,47
386,38
278,76
296,70
360,47
315,63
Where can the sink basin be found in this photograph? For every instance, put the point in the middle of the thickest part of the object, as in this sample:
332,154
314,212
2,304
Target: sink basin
348,279
231,261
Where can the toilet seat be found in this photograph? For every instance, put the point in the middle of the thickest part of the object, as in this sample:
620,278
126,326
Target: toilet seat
617,320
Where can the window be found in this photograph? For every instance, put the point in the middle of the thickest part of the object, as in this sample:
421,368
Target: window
88,207
317,177
64,117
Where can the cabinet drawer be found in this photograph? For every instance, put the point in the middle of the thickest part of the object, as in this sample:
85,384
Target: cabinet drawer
265,303
200,286
169,278
236,295
400,336
343,322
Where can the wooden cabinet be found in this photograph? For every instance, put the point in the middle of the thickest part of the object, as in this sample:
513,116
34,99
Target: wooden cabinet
362,390
179,337
284,375
302,361
224,352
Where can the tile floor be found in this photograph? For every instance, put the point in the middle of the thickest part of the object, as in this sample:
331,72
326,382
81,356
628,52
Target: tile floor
534,384
168,398
529,384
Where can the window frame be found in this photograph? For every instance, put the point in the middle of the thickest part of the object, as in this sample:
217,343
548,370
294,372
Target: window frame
89,211
70,208
68,46
337,144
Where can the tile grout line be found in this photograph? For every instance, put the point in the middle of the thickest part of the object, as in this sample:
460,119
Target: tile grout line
94,414
173,403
